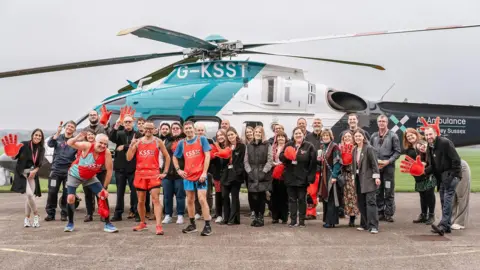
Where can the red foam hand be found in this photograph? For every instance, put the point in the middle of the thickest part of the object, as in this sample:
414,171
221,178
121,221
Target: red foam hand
347,154
124,111
224,153
104,115
414,167
103,210
11,145
290,153
213,151
278,171
435,126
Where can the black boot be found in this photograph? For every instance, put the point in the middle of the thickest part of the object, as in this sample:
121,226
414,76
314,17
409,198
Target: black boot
352,221
430,220
260,221
422,218
254,221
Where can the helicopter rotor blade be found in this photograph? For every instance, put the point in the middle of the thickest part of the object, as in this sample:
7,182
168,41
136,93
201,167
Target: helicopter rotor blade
378,33
86,64
317,58
168,36
159,74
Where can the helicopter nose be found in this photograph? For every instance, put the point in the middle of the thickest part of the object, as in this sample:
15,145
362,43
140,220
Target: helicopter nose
7,162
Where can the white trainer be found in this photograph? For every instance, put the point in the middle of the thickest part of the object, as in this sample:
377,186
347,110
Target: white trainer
180,219
219,219
26,223
167,219
457,227
36,222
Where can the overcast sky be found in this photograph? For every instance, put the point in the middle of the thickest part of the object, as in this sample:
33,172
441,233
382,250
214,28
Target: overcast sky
434,67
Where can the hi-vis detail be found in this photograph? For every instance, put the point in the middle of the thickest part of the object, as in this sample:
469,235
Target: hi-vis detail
216,70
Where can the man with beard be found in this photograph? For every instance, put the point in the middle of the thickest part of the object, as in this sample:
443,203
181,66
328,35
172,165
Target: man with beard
315,139
352,126
122,135
63,156
445,164
94,123
164,132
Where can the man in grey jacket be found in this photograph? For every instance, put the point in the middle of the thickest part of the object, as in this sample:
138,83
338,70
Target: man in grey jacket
387,147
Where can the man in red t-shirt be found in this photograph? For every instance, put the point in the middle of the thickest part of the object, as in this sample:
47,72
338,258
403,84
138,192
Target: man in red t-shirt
195,151
147,173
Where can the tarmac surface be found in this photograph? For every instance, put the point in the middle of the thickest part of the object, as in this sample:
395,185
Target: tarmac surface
399,245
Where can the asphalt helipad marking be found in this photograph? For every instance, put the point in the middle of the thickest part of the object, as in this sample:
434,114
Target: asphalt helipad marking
35,252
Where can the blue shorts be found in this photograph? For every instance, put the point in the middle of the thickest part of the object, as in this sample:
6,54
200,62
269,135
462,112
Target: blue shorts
191,185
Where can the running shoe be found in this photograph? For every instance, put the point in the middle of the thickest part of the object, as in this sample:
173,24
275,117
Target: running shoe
207,230
36,222
26,223
159,230
109,227
141,226
180,219
167,219
69,227
190,229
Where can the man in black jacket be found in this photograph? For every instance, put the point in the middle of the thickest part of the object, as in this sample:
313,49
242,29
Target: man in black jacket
63,156
122,135
445,164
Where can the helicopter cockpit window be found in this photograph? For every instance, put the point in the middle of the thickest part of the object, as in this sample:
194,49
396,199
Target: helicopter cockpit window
120,101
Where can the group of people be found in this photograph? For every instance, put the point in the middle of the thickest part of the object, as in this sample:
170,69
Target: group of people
290,175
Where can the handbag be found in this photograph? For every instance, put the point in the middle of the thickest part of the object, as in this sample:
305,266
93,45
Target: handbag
340,178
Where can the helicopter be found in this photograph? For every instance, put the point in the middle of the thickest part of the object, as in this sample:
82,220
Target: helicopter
207,86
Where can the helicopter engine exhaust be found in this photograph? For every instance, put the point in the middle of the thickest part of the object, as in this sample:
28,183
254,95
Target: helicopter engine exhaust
346,102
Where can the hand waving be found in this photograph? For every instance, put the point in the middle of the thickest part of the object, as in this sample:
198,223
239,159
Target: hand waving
104,115
435,126
347,154
124,111
414,167
11,145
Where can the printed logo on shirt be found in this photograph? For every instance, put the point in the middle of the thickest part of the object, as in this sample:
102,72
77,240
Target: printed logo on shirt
146,153
192,153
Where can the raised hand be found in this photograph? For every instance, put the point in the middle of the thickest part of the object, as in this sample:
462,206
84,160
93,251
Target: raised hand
414,167
435,126
104,115
11,145
347,154
124,111
134,141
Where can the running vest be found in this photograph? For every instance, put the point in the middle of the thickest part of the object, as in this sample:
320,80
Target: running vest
148,165
87,167
194,159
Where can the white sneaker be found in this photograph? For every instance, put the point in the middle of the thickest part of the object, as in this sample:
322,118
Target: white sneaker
180,219
218,220
360,229
197,217
457,227
36,222
26,223
167,219
374,231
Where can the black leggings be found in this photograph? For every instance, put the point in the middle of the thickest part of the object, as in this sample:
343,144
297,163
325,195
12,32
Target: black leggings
427,201
258,202
231,208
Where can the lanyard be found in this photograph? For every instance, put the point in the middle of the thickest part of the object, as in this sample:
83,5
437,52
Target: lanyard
34,156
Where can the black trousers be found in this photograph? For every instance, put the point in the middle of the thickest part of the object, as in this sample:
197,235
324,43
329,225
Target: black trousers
55,180
341,201
427,201
279,201
297,197
218,203
231,209
249,195
258,202
386,192
198,206
367,205
330,211
122,179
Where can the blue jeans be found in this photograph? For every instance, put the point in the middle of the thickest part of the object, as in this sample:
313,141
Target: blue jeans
171,187
446,198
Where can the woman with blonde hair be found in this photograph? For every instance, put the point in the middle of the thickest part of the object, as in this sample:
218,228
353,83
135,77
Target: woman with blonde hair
425,186
350,194
258,164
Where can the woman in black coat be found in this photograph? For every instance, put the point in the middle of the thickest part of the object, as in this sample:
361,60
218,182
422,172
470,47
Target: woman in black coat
26,181
299,157
258,165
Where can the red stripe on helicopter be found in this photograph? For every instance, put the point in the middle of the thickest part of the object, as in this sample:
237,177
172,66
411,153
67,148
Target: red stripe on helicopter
371,33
